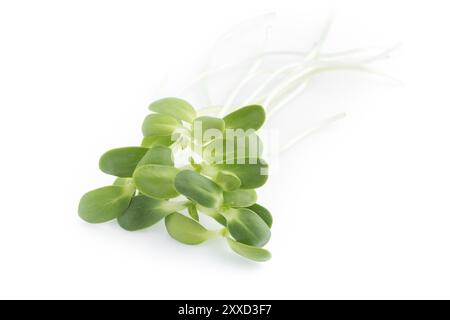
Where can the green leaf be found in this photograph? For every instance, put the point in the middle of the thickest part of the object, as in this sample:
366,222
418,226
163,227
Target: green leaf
145,211
247,227
159,125
239,198
124,182
249,252
121,162
227,181
263,213
233,147
198,188
156,181
104,204
192,210
154,141
157,155
249,117
177,108
186,230
252,173
207,123
207,128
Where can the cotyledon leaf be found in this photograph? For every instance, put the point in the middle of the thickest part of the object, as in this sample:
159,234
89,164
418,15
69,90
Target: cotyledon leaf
160,155
249,252
104,204
228,181
175,107
206,128
263,213
207,122
156,181
238,146
144,211
249,117
253,173
193,212
247,227
198,188
159,125
222,191
153,141
121,162
187,230
124,182
239,198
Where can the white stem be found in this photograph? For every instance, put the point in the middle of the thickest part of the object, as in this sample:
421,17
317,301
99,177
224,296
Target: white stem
306,74
176,145
287,99
211,72
242,83
304,82
254,96
315,51
311,56
382,54
326,122
238,29
309,59
260,88
282,87
253,69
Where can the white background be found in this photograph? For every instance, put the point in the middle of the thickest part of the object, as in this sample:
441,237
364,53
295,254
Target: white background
361,209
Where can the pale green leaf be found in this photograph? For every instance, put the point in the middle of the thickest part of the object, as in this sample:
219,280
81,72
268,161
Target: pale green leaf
104,204
239,198
121,162
156,181
187,230
198,188
249,252
175,107
249,117
159,125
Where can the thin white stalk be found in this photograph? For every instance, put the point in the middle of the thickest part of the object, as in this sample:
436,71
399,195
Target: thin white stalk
175,147
242,83
324,123
238,29
312,55
224,67
305,75
253,96
309,59
315,51
253,69
282,87
304,83
380,55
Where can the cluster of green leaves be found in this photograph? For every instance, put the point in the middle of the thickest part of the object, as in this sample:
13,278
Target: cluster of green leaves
148,181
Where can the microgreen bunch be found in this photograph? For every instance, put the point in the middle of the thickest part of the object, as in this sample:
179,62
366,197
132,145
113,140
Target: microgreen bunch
150,187
221,181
